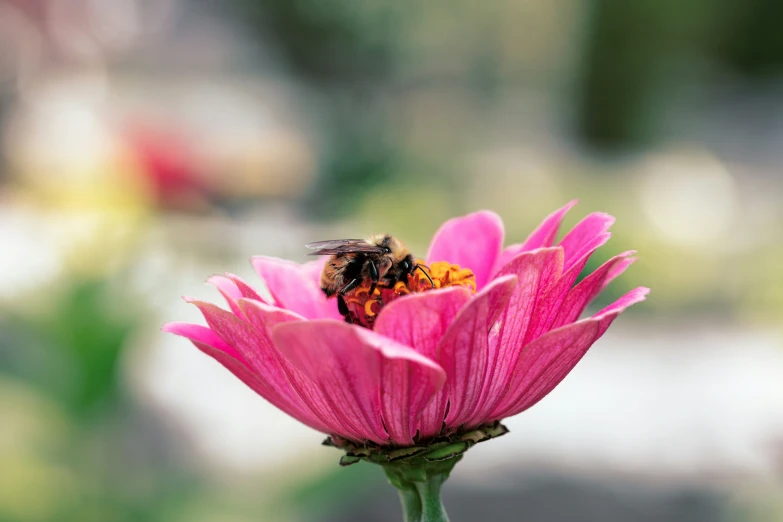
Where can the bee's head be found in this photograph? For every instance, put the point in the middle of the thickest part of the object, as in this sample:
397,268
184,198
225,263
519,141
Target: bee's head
407,264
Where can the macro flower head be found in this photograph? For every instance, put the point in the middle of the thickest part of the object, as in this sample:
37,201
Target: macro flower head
482,333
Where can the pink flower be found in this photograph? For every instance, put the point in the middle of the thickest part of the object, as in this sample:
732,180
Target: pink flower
435,363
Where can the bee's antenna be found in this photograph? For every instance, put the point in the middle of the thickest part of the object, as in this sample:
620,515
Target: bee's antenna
426,274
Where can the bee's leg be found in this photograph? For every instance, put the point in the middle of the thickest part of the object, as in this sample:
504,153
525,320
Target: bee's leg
425,273
373,277
343,308
350,286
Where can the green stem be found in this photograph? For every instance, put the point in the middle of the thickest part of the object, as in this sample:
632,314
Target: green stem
419,484
411,505
419,472
432,506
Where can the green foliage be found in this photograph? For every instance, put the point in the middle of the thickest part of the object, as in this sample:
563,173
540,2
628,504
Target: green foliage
71,350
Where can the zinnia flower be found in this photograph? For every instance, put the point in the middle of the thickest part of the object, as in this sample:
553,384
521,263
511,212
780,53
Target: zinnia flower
428,371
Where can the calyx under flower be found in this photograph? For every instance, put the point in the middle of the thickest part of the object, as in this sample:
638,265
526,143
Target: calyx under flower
363,308
440,449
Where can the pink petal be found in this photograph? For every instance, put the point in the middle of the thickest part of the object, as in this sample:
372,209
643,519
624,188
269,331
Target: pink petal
544,235
636,295
536,273
312,269
208,342
262,357
409,382
620,267
228,290
211,344
233,288
249,339
472,241
588,289
584,234
263,318
545,362
203,335
419,321
550,303
466,353
370,380
541,237
292,288
245,290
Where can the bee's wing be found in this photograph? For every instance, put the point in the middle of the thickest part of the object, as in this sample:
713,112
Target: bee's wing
343,246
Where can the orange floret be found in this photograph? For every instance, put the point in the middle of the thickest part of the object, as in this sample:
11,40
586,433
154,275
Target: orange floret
363,308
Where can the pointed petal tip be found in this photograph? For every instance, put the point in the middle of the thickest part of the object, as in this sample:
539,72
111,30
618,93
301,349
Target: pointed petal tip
640,292
643,291
636,295
246,303
568,206
608,217
541,236
257,263
170,327
188,330
626,259
224,285
604,218
225,276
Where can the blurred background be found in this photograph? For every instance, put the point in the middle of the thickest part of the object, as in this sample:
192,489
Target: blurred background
147,144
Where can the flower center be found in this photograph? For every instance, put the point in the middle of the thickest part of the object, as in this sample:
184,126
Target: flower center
363,308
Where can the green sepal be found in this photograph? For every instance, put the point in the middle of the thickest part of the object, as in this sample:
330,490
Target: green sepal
496,430
347,460
447,452
359,452
402,453
441,448
476,436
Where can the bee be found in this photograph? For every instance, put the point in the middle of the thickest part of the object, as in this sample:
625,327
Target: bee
381,259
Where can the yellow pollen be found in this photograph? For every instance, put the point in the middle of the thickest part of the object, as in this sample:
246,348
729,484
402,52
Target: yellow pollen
444,274
368,307
401,288
364,308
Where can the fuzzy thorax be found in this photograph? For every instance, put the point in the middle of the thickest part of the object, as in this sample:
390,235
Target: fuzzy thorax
363,308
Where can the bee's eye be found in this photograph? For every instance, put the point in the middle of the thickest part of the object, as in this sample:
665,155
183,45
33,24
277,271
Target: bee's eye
406,265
